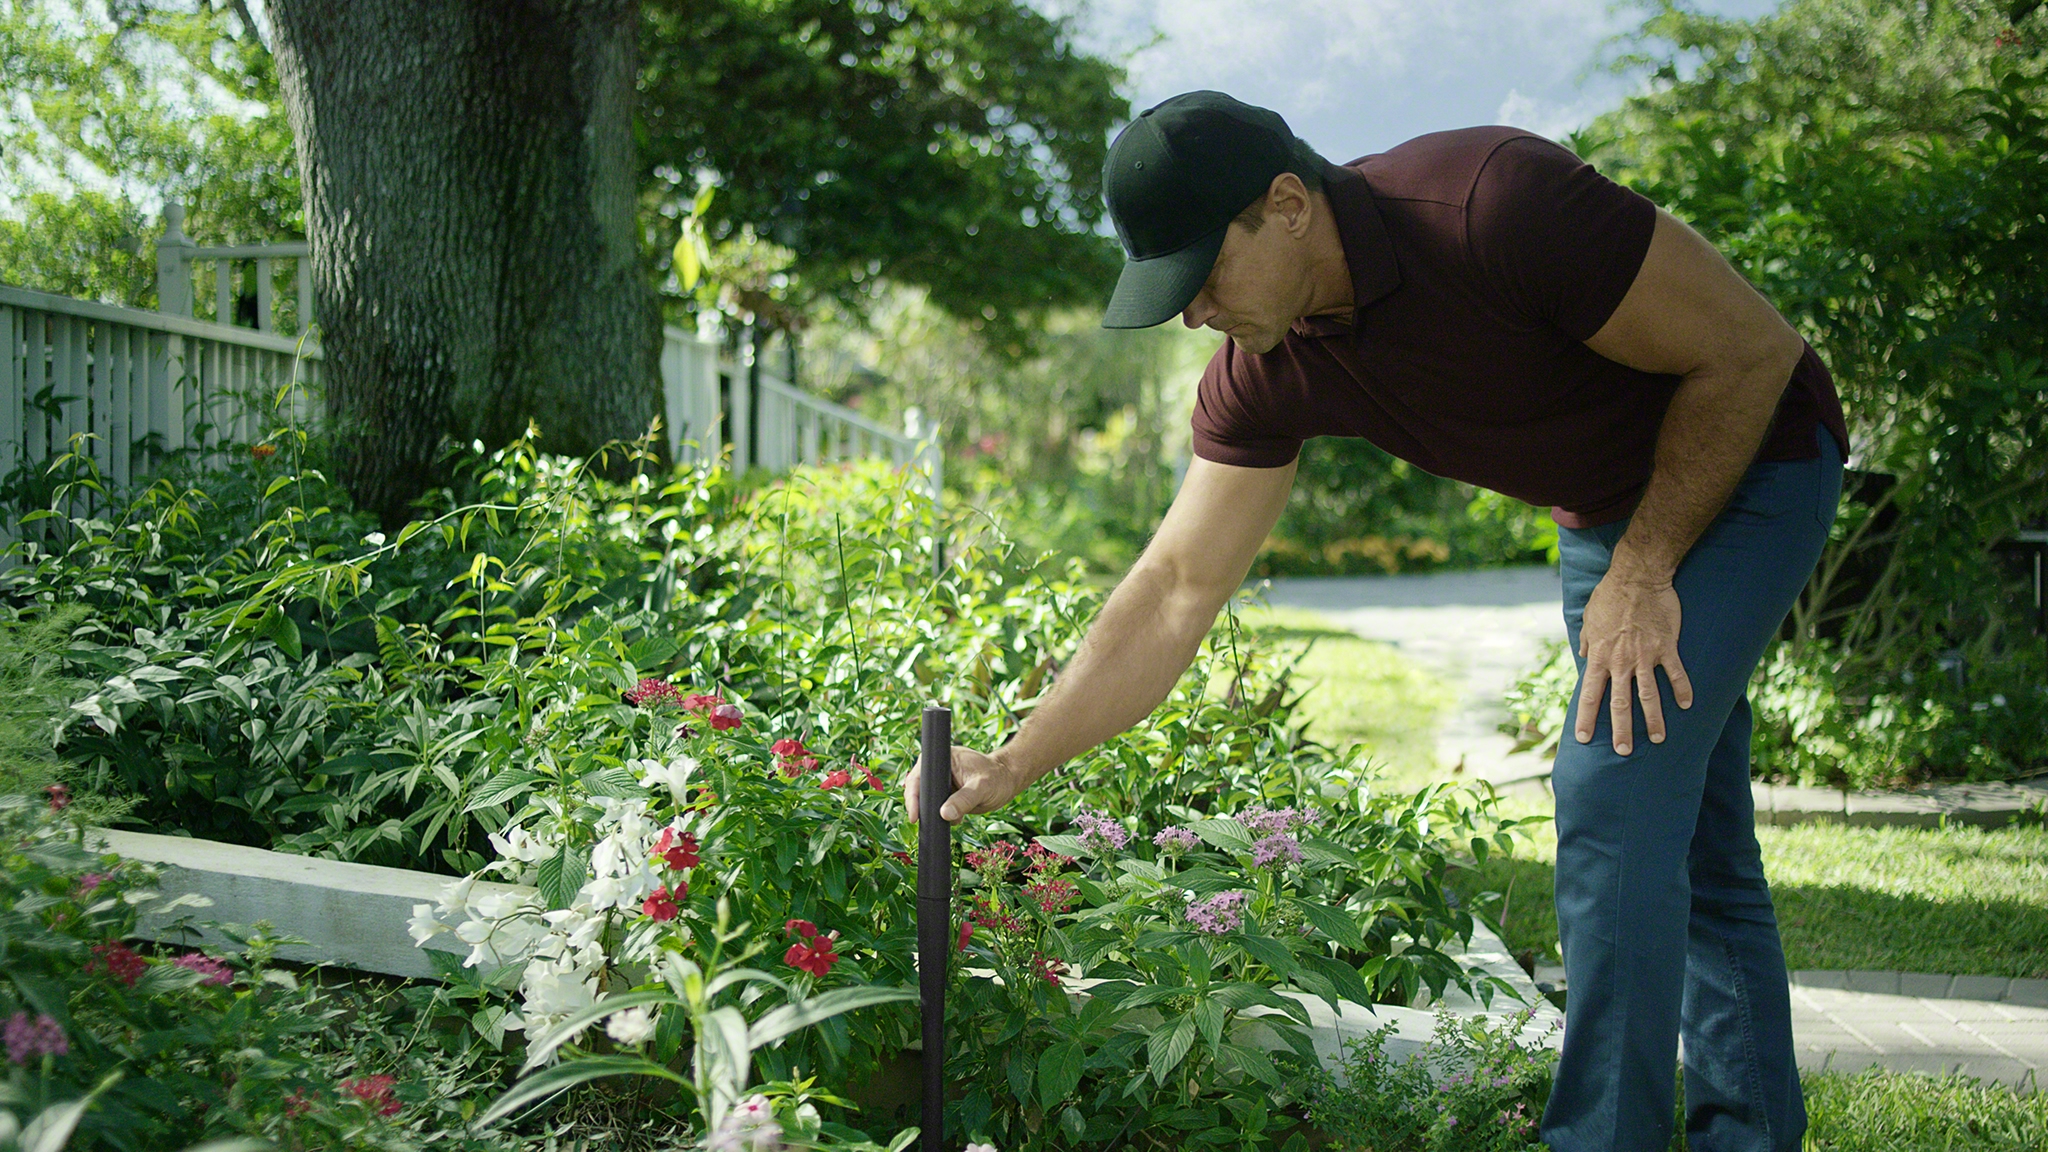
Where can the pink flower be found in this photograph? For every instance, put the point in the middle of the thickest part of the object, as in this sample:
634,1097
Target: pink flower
29,1038
375,1092
838,779
815,955
88,882
661,905
1175,840
994,861
651,692
60,797
297,1103
1218,914
702,702
966,934
211,971
725,716
118,961
678,852
1099,832
1276,851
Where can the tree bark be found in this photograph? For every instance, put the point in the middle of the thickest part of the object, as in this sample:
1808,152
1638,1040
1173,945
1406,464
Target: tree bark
469,175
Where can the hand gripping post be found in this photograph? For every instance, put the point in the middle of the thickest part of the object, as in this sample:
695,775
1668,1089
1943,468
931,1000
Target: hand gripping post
934,914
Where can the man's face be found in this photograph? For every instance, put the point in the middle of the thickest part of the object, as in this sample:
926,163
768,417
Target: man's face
1256,288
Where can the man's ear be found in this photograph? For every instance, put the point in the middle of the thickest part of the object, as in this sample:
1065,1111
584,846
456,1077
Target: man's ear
1290,198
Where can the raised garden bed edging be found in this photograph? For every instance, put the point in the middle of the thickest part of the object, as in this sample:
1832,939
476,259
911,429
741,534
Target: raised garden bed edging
355,916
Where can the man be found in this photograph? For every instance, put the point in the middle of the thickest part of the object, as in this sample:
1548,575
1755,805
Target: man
1486,306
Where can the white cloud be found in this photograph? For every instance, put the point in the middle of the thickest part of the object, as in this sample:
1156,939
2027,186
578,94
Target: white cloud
1356,76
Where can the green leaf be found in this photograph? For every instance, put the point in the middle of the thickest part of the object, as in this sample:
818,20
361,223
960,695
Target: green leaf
1208,1015
1335,923
549,1081
1269,952
1064,845
1346,978
1168,1047
1228,835
791,1018
561,876
1238,997
1059,1072
507,785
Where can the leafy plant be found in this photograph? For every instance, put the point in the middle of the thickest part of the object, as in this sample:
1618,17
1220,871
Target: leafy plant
1478,1085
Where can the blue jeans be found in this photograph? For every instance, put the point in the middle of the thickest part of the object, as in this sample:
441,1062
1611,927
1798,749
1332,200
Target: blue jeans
1664,916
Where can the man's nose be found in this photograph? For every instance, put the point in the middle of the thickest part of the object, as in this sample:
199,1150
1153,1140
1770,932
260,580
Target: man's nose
1198,311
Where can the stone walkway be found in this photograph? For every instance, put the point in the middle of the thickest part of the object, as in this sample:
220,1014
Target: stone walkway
1478,631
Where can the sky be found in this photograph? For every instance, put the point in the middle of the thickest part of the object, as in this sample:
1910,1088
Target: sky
1359,76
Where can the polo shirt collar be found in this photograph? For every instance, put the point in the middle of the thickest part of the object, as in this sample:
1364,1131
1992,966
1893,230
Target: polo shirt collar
1368,253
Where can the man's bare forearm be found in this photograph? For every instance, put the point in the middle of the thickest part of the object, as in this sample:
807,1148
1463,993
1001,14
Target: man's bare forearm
1711,432
1144,638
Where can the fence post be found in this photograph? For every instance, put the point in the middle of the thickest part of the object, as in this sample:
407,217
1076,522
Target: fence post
174,264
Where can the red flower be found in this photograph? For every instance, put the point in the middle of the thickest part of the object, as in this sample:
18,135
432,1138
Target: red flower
702,702
803,928
725,716
1044,859
375,1091
839,779
678,852
650,692
211,971
1053,893
814,955
661,905
262,451
903,856
792,757
1048,969
874,781
966,934
297,1103
993,861
788,747
60,797
118,961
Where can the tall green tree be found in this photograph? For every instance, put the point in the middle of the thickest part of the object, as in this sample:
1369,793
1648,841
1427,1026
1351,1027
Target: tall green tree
1878,169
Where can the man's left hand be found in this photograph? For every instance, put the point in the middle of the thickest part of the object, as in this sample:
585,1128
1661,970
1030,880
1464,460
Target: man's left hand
1629,631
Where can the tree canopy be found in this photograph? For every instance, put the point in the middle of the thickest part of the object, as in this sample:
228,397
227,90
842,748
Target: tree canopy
953,145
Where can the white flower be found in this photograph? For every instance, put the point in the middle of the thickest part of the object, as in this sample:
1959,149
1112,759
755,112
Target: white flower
496,943
552,988
632,1028
675,774
455,897
504,905
980,1148
518,844
749,1127
424,926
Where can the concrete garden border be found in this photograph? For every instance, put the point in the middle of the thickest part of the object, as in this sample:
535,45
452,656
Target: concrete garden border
355,916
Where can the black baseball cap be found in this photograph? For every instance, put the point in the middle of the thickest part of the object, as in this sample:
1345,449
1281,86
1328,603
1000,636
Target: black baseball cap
1175,178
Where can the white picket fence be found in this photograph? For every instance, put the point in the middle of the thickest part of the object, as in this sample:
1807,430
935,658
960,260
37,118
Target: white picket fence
131,388
713,400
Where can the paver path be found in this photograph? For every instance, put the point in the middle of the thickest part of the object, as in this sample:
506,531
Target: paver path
1477,631
1851,1031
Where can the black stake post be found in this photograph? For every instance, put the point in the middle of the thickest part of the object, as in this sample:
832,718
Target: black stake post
934,914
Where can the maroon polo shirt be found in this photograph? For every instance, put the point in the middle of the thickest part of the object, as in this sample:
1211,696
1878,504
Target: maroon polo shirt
1481,261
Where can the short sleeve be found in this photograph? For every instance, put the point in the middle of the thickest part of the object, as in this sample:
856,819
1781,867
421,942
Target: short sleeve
1229,426
1558,240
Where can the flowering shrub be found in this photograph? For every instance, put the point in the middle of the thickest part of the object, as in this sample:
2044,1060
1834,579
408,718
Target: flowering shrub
1479,1085
176,1046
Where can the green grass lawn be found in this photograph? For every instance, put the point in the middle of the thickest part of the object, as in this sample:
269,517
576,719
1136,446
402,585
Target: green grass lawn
1361,692
1957,900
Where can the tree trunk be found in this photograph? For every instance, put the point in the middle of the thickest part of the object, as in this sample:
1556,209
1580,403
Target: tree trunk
470,181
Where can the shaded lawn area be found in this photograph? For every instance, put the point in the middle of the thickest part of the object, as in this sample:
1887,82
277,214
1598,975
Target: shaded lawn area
1359,691
1956,900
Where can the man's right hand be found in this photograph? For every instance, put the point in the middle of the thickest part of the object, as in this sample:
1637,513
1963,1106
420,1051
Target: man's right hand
981,783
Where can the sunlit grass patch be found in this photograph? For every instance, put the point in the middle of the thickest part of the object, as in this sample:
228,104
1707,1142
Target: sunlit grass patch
1878,1111
1360,691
